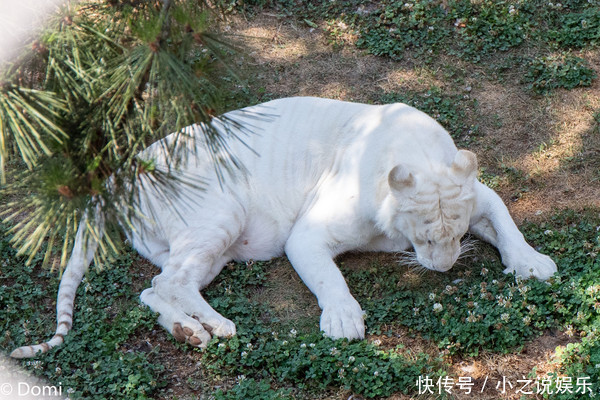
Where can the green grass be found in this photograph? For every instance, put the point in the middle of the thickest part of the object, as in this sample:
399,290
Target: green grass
269,359
566,71
94,362
265,349
474,32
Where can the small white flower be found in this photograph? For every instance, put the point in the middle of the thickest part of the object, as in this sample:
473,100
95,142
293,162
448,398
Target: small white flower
303,346
293,333
570,331
351,359
376,373
437,307
548,232
431,296
244,354
526,320
505,317
312,345
532,308
523,289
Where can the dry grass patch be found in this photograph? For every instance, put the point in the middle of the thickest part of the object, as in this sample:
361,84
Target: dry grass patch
289,299
294,60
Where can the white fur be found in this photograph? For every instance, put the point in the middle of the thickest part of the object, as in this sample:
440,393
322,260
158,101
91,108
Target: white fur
321,177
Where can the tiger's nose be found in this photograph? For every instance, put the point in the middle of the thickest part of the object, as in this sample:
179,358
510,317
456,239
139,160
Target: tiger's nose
442,267
443,263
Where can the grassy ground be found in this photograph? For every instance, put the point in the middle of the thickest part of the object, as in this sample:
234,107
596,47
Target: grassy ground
518,88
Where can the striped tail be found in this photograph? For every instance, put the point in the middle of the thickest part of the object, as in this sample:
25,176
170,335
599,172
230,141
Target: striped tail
81,258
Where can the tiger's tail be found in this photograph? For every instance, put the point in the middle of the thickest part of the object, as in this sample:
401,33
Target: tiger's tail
81,257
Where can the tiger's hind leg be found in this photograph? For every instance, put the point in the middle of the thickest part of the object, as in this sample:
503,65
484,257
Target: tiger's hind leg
184,328
195,259
180,288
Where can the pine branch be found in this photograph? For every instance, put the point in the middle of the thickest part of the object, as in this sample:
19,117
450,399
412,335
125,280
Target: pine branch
118,77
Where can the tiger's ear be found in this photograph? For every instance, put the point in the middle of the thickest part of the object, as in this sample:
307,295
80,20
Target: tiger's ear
401,179
465,165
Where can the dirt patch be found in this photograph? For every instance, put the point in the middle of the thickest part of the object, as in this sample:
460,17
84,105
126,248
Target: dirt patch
294,60
291,302
494,373
552,141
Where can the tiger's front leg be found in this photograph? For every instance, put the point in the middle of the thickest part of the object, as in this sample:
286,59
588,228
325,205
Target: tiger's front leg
491,222
311,256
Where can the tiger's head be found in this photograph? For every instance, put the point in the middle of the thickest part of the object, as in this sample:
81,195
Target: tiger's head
432,208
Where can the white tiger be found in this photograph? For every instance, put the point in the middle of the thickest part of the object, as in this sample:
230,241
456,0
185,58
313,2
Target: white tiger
321,177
